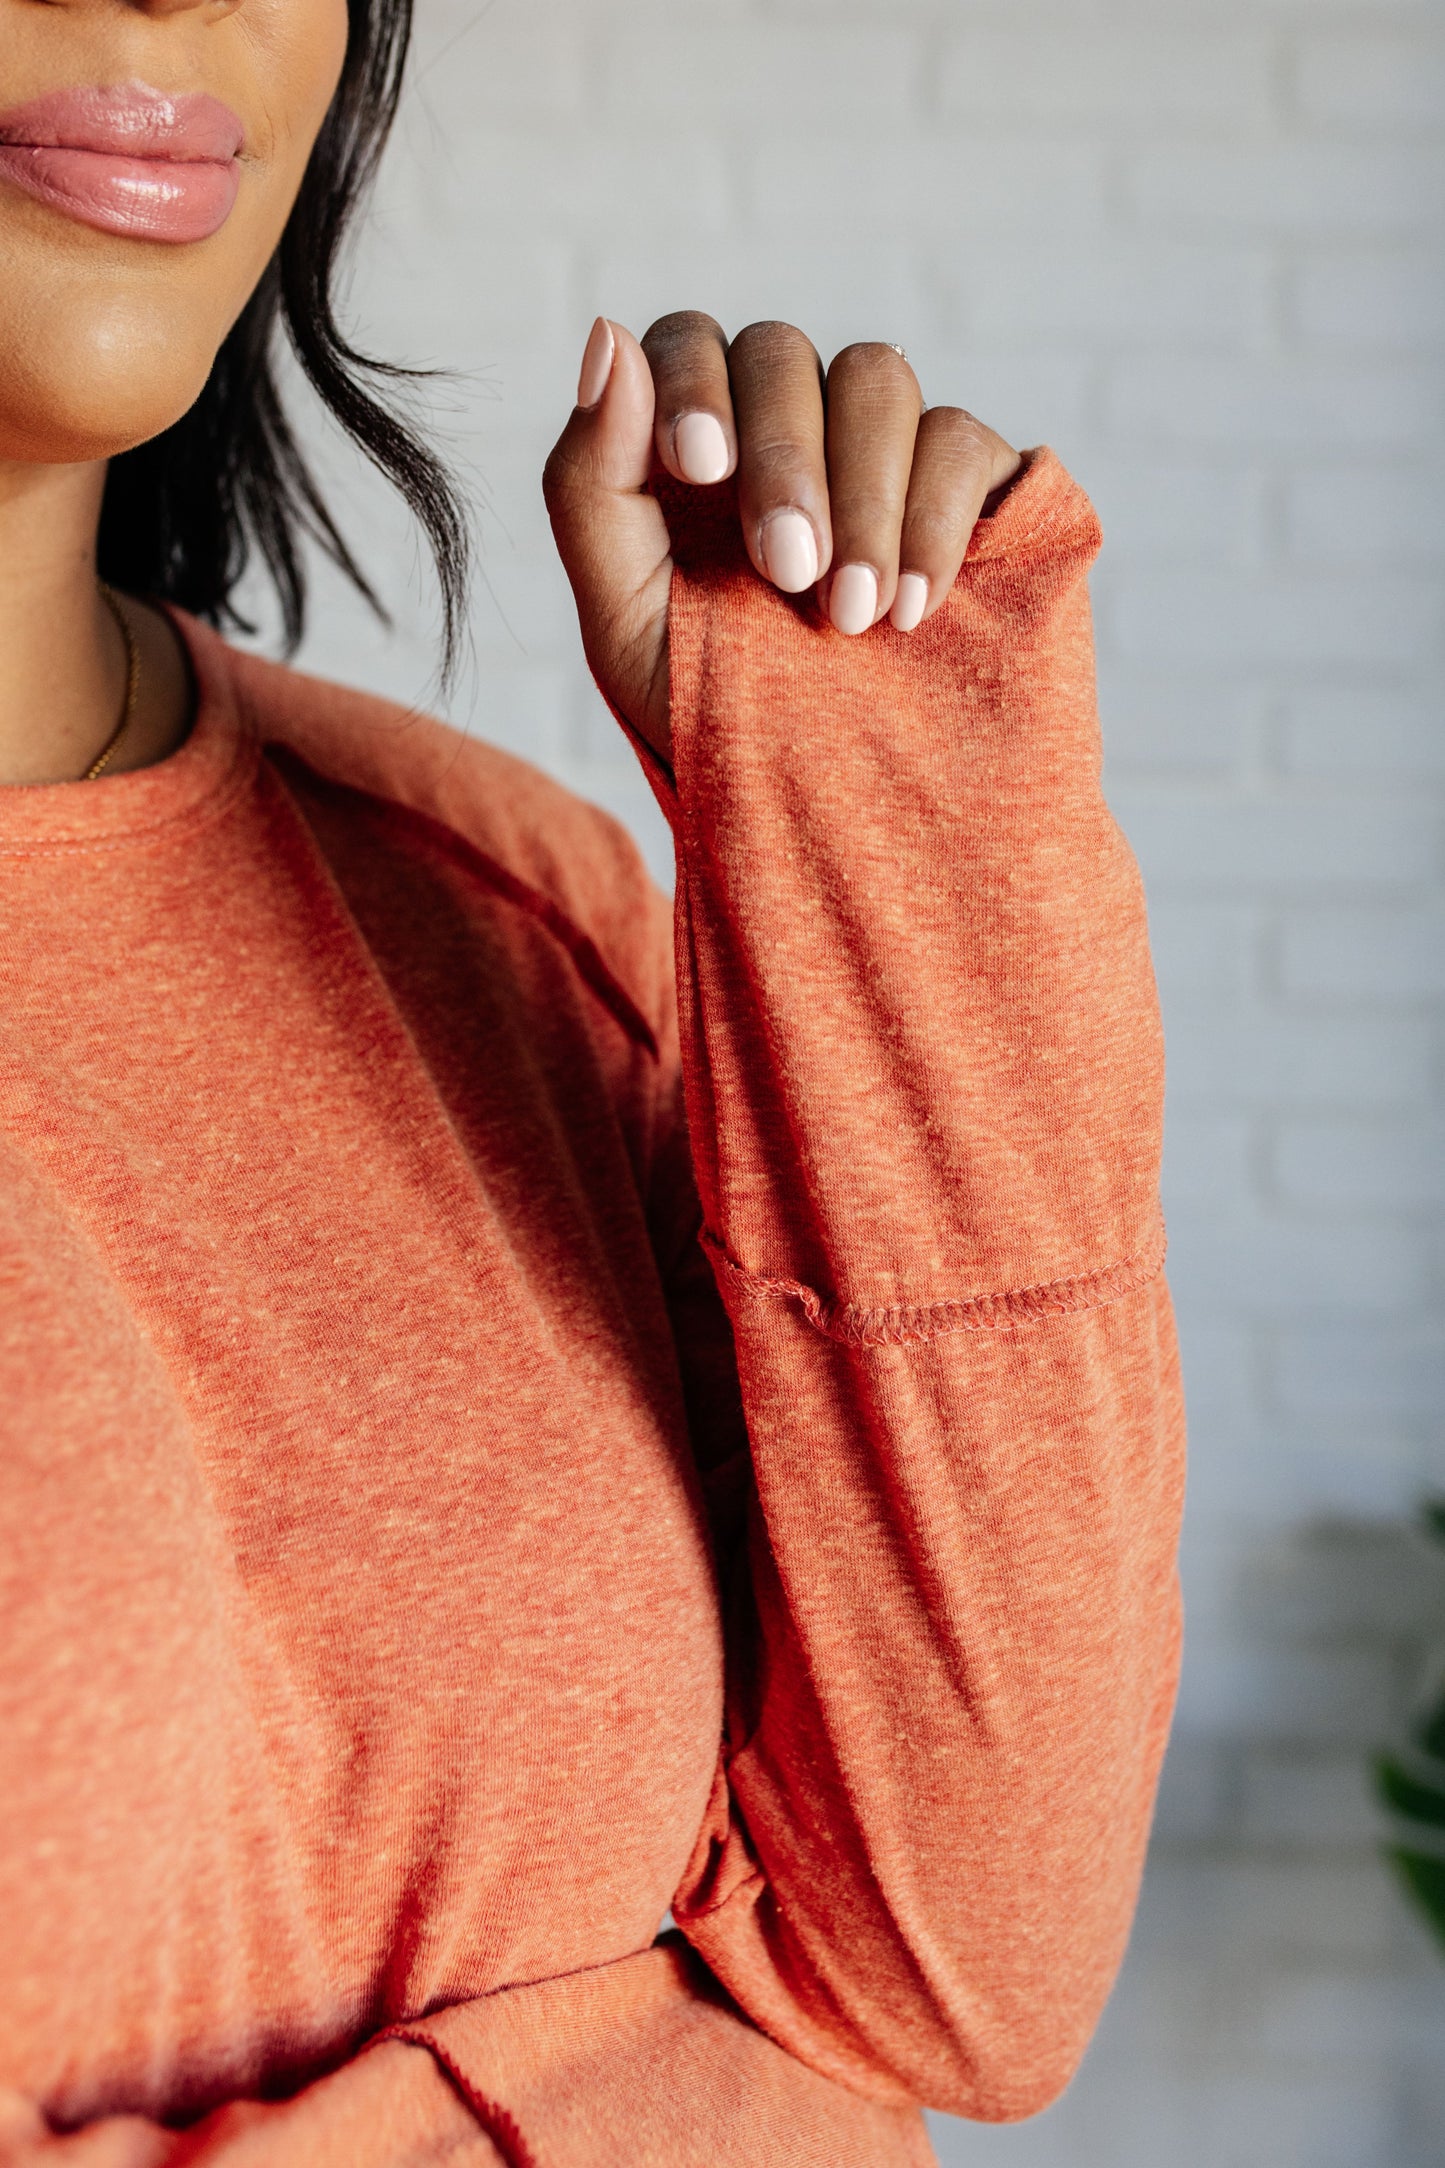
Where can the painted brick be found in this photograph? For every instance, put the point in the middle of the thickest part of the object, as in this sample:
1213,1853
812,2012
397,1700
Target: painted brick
773,76
1027,393
1032,393
1219,1354
1204,511
1284,1268
1158,726
1337,515
1395,1166
1305,1799
1366,728
1368,300
1268,1474
844,186
1223,1055
1297,621
474,63
1278,841
1375,83
1139,295
1208,1160
1346,2017
1332,2119
1303,1697
1320,408
1382,956
1202,947
1103,76
1340,1584
590,182
836,291
1396,1371
1197,1796
1330,192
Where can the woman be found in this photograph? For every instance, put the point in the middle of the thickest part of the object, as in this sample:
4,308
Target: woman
417,1578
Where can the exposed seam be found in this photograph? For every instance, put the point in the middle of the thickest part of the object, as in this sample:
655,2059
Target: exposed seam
498,2122
900,1323
586,957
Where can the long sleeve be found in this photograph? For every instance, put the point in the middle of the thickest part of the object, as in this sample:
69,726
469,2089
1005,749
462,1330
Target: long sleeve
390,2107
923,1072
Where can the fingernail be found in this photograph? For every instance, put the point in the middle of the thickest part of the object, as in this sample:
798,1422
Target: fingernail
854,601
790,552
701,448
596,364
910,602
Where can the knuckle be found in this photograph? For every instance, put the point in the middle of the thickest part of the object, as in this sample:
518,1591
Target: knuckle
778,465
682,330
872,354
872,367
968,437
872,511
772,341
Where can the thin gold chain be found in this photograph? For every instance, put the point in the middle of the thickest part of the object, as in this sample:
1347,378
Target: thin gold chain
132,681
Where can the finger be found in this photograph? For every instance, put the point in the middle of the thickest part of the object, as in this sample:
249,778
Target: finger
957,464
873,408
611,535
777,384
695,434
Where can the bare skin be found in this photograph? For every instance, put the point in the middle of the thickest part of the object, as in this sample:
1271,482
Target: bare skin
869,491
105,340
846,483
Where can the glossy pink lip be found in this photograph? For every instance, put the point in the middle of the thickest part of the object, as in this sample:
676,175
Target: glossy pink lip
127,159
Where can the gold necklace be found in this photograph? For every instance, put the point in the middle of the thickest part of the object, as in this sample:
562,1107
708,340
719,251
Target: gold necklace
132,681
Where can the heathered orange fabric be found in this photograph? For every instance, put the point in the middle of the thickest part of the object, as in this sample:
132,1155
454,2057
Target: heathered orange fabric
366,1397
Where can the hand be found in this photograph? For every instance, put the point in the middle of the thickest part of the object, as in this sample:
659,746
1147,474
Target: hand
845,482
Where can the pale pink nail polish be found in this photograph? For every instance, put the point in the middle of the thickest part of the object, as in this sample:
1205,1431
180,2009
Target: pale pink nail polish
853,604
910,602
597,364
790,552
701,448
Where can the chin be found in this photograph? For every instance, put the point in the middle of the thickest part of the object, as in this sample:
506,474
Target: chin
98,383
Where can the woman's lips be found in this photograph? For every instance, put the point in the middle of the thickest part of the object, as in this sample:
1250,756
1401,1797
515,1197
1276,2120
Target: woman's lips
127,159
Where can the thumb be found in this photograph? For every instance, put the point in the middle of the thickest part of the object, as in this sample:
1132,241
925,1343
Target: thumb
610,533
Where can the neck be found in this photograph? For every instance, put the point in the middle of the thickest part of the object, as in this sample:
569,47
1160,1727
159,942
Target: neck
62,657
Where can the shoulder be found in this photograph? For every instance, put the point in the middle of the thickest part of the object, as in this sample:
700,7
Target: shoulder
536,844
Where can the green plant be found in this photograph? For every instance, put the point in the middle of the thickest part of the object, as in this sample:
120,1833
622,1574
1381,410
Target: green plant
1411,1783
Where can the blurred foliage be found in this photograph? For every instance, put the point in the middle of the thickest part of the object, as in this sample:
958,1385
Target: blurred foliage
1411,1784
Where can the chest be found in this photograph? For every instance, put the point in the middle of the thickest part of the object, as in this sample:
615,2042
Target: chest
362,1642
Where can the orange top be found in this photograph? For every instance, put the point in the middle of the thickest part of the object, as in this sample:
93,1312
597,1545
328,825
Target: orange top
365,1395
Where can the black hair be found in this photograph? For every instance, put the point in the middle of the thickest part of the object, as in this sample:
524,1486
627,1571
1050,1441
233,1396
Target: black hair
184,513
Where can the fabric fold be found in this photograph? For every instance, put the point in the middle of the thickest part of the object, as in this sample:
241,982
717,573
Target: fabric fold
646,2064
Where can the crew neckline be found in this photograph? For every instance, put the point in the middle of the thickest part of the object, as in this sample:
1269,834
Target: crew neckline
190,784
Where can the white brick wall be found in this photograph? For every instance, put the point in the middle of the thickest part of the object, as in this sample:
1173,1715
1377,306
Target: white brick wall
1195,244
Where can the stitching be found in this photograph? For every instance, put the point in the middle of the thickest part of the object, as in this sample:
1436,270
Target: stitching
497,2122
229,786
902,1323
586,957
